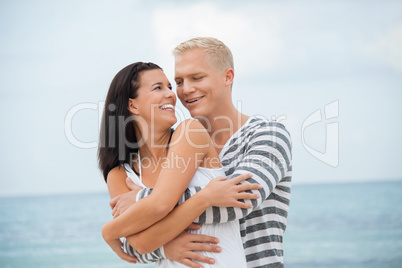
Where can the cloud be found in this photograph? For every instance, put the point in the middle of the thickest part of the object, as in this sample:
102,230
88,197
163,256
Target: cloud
388,47
254,40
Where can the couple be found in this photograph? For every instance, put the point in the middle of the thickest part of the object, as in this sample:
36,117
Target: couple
245,214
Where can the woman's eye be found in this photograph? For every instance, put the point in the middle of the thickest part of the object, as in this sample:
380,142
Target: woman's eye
157,88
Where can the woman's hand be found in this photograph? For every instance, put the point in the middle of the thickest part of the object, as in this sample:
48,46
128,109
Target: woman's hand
122,202
117,246
222,192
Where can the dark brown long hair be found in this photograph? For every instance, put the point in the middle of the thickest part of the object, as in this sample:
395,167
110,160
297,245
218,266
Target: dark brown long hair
117,140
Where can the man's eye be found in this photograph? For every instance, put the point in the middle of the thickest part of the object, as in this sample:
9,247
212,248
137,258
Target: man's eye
197,78
178,83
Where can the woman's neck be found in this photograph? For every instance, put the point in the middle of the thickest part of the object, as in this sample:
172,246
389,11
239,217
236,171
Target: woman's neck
153,144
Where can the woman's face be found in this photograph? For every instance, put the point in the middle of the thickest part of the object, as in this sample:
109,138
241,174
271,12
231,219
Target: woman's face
155,102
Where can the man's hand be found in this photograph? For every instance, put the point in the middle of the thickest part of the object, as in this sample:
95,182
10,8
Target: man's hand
117,247
181,249
122,202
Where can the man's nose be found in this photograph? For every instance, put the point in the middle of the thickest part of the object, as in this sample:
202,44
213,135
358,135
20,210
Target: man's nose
188,88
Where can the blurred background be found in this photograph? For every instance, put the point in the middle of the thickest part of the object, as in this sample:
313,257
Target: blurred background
330,71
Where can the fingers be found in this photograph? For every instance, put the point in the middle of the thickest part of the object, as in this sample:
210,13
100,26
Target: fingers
205,247
248,186
115,214
203,238
130,183
116,246
125,257
190,263
128,258
114,211
241,178
200,258
247,196
194,226
243,205
220,179
113,201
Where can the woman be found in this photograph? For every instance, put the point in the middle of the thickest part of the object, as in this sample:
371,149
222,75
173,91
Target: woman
136,138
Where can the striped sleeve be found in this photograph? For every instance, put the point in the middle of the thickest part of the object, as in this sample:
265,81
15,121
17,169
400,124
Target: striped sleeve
189,192
143,258
266,154
143,193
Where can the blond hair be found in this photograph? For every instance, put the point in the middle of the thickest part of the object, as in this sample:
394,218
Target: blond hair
218,54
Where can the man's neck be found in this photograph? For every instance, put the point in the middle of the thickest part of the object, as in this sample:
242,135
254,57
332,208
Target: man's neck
222,126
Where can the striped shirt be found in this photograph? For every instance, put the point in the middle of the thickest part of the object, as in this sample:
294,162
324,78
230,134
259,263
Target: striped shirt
263,149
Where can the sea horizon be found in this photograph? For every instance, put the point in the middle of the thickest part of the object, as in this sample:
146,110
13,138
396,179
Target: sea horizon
347,225
294,183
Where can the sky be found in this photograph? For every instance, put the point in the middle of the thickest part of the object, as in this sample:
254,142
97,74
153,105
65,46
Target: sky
330,71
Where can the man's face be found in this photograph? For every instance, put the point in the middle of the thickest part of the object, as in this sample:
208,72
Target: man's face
199,86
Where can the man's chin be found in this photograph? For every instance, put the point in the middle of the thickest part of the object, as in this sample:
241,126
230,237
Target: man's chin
198,113
195,114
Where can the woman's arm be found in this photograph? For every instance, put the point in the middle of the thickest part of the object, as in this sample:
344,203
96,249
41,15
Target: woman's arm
116,182
182,216
177,221
116,186
184,157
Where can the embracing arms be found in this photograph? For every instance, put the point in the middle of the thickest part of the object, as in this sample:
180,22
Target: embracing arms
265,152
218,191
172,181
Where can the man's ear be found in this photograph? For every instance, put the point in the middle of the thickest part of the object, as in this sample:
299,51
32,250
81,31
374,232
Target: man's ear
132,106
229,76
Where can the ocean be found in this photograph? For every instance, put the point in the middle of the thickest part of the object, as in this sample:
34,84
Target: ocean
350,225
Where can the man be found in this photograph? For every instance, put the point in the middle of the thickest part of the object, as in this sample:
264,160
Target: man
204,75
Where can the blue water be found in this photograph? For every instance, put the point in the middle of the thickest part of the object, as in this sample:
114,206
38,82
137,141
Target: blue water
329,225
345,226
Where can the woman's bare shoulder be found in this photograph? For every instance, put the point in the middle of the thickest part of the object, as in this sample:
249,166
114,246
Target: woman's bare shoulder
191,124
193,132
117,173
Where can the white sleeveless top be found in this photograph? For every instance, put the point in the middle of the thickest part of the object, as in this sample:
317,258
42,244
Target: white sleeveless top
232,254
